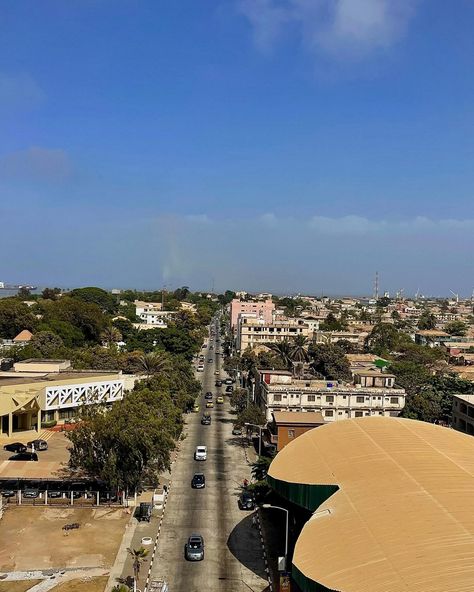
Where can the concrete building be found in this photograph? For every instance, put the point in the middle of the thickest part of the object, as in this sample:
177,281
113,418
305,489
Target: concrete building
253,332
151,313
356,339
26,401
371,393
262,309
287,426
463,414
381,504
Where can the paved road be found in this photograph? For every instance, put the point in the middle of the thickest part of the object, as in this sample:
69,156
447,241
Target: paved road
233,555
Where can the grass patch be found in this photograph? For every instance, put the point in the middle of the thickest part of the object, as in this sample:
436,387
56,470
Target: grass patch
90,585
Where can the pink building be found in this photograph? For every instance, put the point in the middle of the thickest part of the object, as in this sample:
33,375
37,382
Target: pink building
261,308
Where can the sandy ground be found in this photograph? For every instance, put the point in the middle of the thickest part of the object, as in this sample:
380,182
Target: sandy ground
91,585
32,537
21,586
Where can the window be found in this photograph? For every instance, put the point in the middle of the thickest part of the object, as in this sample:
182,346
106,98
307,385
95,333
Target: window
329,398
276,398
359,414
311,398
291,433
329,413
359,399
67,413
393,400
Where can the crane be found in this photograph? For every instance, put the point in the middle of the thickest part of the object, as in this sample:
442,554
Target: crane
455,295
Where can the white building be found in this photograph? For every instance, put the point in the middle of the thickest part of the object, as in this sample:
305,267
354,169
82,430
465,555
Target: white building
371,393
151,313
256,332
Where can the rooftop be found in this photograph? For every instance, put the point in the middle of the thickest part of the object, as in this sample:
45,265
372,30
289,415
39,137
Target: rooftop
297,417
12,379
391,498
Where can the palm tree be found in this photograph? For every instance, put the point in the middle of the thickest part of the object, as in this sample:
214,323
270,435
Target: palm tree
299,352
138,556
111,335
282,349
154,362
120,588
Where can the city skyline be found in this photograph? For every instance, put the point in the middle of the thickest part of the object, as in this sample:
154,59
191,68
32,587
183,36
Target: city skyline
281,146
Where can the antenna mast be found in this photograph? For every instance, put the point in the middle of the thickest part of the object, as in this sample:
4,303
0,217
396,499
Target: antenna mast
376,286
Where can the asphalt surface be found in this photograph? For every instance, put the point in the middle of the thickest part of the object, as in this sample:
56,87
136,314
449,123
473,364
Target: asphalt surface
233,555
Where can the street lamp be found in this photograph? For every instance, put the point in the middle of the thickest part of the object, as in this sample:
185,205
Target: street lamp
270,507
260,428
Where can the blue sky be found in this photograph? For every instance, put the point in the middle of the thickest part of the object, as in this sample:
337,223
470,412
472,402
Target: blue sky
282,145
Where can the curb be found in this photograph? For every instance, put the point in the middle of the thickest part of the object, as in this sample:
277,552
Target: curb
265,559
155,545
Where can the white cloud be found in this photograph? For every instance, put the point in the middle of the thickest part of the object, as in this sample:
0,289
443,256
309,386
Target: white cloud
36,164
19,92
340,28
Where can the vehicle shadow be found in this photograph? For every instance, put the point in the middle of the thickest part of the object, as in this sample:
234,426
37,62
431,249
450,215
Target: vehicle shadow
244,544
226,420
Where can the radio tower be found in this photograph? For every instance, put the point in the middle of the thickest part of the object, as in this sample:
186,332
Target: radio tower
376,286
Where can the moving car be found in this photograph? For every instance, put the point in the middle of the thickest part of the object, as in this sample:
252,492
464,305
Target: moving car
228,381
200,368
218,382
24,456
194,548
200,453
38,444
216,372
229,389
208,396
196,408
144,512
209,404
209,360
206,419
246,501
198,481
237,431
220,400
15,447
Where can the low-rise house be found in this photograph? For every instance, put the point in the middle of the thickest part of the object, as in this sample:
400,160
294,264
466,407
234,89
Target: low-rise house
286,426
431,337
151,313
336,400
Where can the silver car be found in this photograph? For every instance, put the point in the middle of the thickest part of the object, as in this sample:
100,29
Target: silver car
194,548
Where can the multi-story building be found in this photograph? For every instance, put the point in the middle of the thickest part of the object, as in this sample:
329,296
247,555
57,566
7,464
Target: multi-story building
371,393
40,391
254,332
151,313
356,339
262,309
463,414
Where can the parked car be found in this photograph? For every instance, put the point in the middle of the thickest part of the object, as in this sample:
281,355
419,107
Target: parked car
210,360
228,381
30,493
196,408
38,444
208,396
24,456
229,389
8,493
209,404
194,548
15,447
216,372
200,453
237,431
144,512
206,419
218,382
220,400
200,368
55,494
246,501
198,481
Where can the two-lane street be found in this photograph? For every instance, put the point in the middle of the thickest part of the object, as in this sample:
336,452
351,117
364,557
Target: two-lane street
233,556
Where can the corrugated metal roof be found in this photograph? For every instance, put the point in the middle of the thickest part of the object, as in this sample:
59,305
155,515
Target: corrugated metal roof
402,517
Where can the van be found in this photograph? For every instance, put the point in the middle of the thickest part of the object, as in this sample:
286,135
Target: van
201,453
144,512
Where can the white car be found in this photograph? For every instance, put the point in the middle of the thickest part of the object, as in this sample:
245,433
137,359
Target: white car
200,368
201,453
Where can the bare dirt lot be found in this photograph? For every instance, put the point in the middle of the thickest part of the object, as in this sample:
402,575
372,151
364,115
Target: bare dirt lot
20,586
33,538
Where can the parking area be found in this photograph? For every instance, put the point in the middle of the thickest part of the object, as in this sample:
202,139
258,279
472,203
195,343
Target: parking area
57,446
35,538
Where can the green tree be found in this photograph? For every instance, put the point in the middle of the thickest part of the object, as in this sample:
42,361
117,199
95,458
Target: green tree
24,293
50,293
14,317
110,335
259,468
456,328
331,323
385,338
239,399
299,349
104,300
330,361
427,321
129,443
125,327
85,316
47,343
283,349
154,362
251,414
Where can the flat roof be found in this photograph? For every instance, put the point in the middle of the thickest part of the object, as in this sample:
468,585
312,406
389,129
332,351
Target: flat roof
15,378
298,417
401,518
